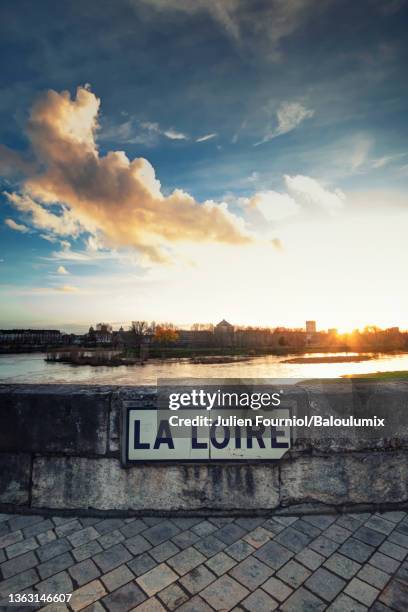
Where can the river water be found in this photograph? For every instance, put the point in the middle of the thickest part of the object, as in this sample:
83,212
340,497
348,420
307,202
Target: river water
32,368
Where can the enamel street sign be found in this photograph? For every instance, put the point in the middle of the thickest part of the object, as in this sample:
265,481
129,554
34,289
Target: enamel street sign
150,434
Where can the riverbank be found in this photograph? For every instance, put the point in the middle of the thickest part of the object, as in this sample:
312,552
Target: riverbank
101,360
403,375
330,359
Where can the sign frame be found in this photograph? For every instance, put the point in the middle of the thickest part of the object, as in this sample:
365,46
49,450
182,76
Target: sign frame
127,463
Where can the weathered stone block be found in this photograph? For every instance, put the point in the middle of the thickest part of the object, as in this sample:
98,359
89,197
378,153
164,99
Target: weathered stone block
74,482
376,477
14,478
127,396
54,418
360,399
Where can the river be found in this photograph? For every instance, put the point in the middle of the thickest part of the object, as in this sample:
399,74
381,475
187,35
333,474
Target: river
32,368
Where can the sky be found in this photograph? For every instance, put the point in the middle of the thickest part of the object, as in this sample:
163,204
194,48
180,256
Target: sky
194,160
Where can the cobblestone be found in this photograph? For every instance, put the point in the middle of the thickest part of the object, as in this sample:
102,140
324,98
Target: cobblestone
373,576
387,564
251,572
196,580
21,547
18,564
342,566
293,573
310,558
137,545
220,563
186,560
259,601
111,558
117,577
87,550
54,565
293,539
210,545
325,584
164,551
273,554
124,599
239,550
84,572
363,592
224,593
278,589
304,600
156,579
173,596
348,563
141,564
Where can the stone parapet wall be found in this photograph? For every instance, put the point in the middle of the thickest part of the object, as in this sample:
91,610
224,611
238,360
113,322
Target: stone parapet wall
59,451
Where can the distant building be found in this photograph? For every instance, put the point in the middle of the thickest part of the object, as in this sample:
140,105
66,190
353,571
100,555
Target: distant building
103,333
224,333
310,327
30,337
224,327
195,337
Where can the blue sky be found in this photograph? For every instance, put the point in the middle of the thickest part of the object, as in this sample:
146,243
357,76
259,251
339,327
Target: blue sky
289,116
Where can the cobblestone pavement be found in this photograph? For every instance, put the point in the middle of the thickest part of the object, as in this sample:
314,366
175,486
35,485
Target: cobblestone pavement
352,562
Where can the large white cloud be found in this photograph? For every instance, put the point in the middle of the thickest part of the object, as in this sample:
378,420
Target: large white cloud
303,195
308,191
274,206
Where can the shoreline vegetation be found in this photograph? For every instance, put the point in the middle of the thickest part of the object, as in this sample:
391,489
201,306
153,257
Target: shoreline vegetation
330,359
113,358
395,375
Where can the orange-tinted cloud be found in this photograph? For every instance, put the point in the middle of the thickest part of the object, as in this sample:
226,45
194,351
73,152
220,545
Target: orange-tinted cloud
111,196
17,227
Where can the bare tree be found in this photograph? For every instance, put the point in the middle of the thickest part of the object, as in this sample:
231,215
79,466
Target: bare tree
139,329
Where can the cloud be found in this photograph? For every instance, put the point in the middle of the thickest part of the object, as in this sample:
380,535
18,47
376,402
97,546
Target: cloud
174,135
381,162
133,131
16,226
54,239
306,190
122,132
62,270
269,23
170,133
223,11
289,115
67,289
24,291
64,224
112,197
303,193
359,153
207,137
277,244
273,205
